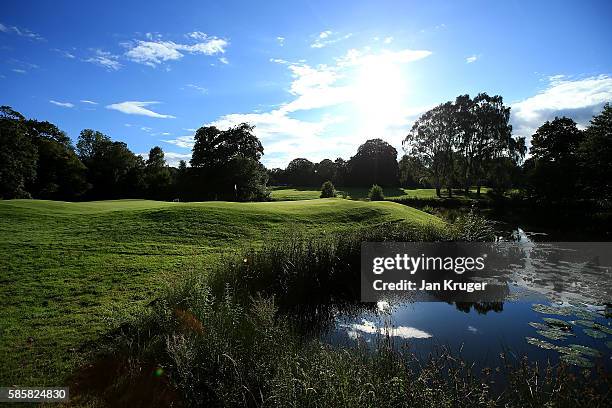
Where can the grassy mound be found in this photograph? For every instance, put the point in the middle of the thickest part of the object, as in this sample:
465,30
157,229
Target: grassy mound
68,267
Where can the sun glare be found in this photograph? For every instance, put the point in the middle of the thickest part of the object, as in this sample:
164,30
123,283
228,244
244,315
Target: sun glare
380,88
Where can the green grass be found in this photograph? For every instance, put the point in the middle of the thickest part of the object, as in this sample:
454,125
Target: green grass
68,268
361,193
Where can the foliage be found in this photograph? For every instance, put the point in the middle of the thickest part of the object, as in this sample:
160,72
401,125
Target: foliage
412,172
376,193
60,173
554,165
158,177
300,172
18,155
595,156
456,143
225,166
328,190
112,169
374,163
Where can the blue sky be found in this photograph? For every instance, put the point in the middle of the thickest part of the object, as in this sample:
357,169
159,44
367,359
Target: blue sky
316,78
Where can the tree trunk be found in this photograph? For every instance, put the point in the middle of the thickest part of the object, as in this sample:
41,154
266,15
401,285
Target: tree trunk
478,189
438,191
450,192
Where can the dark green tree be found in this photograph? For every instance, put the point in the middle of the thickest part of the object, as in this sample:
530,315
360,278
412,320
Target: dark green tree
113,170
60,173
18,155
412,172
214,147
225,164
595,156
326,170
374,163
431,142
553,167
301,172
157,175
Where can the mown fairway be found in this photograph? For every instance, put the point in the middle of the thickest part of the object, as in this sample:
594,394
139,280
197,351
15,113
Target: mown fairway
68,270
361,193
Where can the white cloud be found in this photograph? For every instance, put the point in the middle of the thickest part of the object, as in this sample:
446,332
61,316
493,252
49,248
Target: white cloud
577,98
223,60
354,57
368,327
88,102
105,59
281,41
286,136
198,88
64,53
197,35
153,53
137,108
22,32
146,129
328,37
185,142
19,70
173,158
471,58
62,104
388,40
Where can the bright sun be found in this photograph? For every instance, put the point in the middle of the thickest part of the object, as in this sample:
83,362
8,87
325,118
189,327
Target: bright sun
380,88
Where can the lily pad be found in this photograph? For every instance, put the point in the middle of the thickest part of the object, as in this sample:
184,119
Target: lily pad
540,343
544,309
587,351
539,326
584,313
609,344
555,334
601,327
585,323
596,334
558,323
577,360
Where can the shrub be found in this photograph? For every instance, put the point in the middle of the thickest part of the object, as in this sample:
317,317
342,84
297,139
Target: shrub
328,190
376,193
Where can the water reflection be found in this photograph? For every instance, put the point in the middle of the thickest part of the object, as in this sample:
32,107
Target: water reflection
553,305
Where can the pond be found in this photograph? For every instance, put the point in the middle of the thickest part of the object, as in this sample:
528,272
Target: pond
547,318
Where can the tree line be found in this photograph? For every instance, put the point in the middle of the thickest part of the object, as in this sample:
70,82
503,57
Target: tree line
38,160
452,147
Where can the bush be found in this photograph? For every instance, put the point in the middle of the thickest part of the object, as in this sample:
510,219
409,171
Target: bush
376,193
328,190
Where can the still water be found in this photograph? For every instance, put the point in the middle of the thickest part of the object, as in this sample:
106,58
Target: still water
561,315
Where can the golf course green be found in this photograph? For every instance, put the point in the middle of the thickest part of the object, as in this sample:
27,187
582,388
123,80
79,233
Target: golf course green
71,271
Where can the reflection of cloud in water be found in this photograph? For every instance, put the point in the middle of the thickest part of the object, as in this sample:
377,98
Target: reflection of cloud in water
382,305
472,329
367,327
